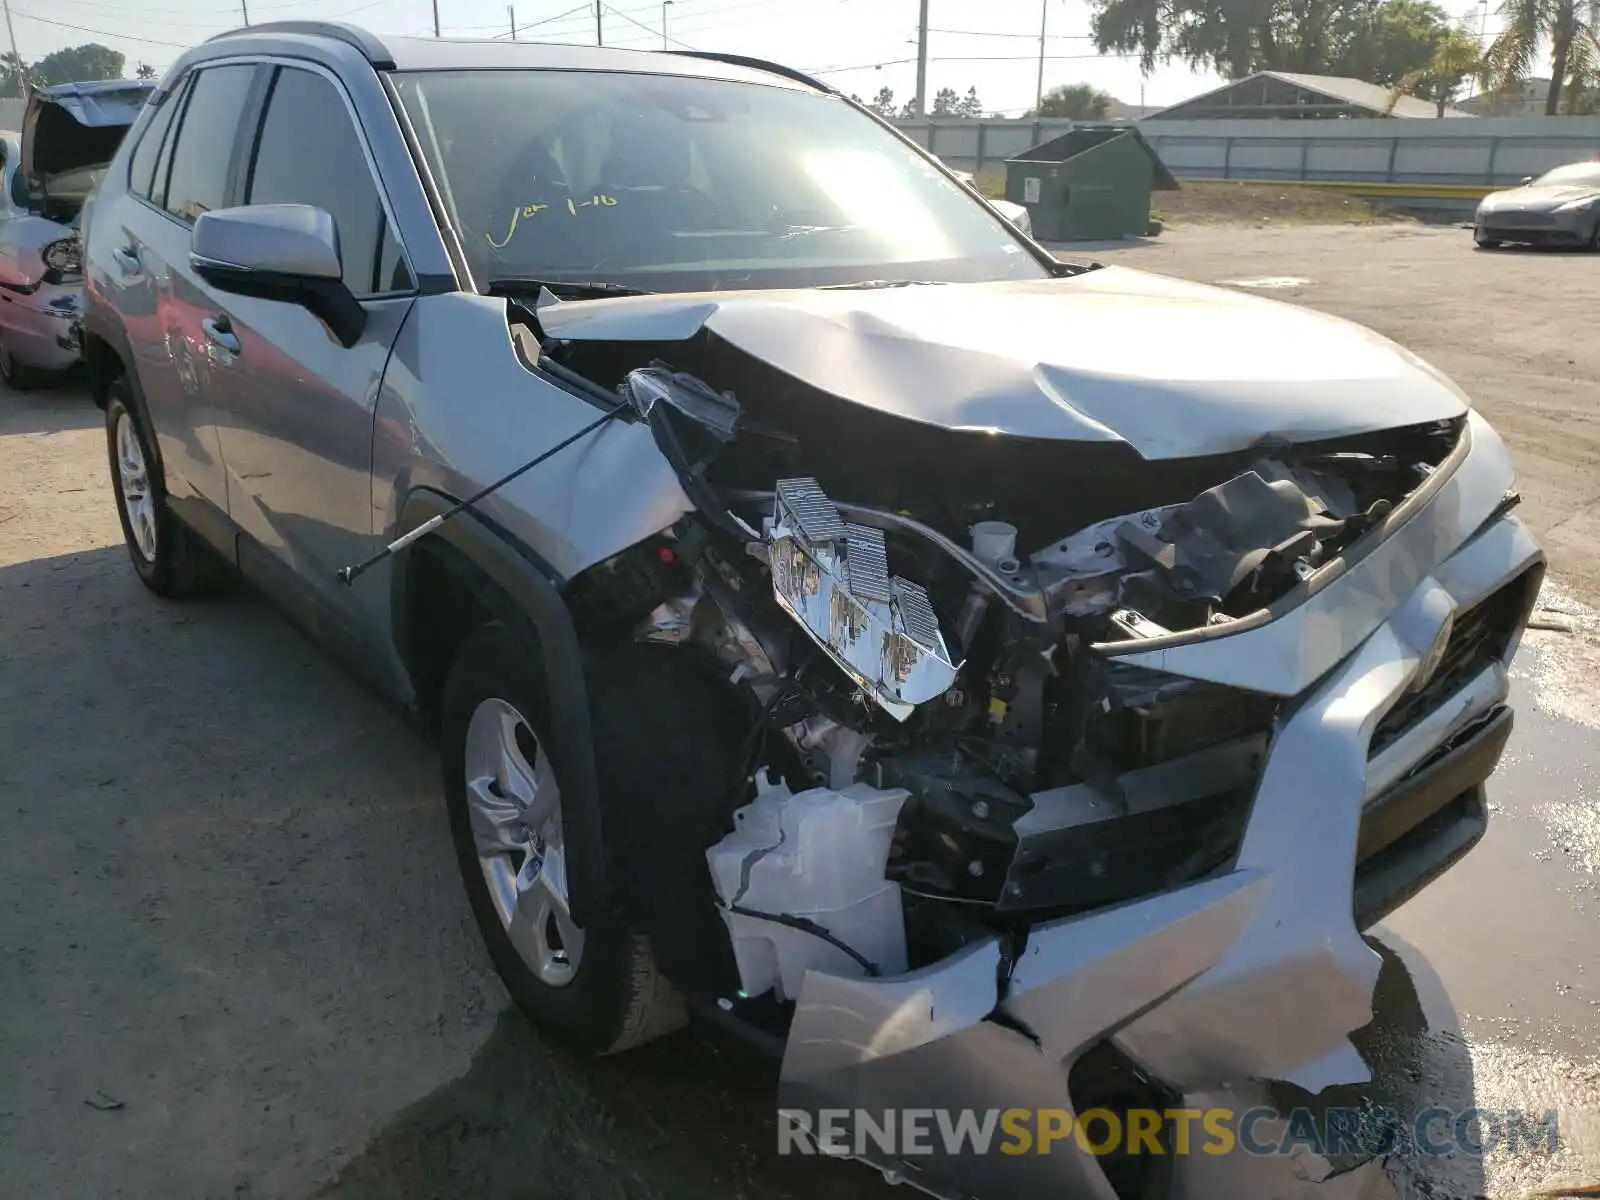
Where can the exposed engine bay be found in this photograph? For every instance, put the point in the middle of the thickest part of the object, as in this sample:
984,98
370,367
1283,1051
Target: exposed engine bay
945,740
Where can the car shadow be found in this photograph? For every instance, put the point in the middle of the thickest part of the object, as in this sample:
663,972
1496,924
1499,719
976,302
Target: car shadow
689,1117
1524,248
1420,1059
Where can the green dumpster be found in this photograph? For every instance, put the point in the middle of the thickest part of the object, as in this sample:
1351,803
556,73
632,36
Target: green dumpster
1092,182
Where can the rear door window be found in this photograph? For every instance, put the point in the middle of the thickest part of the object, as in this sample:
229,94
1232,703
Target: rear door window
310,152
207,135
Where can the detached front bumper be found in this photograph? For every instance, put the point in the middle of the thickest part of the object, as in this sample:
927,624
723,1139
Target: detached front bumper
1372,785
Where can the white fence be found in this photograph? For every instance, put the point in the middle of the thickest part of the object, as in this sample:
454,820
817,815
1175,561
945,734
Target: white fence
1480,151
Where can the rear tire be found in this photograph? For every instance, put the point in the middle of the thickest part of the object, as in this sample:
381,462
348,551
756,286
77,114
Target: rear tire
596,990
167,556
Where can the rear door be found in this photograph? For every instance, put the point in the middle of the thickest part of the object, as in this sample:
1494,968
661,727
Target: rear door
297,407
185,163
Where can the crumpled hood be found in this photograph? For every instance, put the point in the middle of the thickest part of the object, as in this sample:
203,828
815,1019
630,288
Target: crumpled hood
76,127
1538,199
1174,369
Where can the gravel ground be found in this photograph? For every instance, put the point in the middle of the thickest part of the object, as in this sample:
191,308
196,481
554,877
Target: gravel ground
236,957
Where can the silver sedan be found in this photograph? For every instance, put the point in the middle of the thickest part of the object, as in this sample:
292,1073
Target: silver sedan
1559,208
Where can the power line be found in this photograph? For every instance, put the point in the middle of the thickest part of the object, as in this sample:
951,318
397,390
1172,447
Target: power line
217,25
646,28
100,32
1065,37
521,28
899,62
697,22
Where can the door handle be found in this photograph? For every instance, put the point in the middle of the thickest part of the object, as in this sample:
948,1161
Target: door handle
219,332
127,260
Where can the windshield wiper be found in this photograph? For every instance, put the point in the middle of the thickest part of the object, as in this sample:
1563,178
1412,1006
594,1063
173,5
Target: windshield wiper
563,288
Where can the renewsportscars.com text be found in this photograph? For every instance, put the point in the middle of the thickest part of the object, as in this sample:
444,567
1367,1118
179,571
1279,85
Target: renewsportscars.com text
1369,1130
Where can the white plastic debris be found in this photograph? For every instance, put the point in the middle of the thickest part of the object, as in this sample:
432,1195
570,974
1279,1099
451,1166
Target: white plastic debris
818,856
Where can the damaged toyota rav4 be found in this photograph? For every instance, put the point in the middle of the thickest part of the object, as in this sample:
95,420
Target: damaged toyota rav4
982,680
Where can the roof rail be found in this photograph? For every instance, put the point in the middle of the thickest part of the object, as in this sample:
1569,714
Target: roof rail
756,64
370,47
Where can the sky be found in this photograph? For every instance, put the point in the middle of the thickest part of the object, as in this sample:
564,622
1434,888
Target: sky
856,45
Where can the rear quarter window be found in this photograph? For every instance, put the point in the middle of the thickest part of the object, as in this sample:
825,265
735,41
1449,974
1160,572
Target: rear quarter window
142,168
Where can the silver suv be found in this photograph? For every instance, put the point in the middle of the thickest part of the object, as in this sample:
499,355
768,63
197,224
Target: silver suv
986,682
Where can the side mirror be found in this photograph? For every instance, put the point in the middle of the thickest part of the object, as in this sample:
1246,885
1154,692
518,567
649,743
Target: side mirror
1526,180
287,252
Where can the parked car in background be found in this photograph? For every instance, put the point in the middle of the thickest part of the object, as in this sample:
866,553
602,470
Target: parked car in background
70,132
1017,214
983,680
1559,208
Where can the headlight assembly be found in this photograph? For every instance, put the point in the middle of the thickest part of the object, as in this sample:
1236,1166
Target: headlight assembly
64,257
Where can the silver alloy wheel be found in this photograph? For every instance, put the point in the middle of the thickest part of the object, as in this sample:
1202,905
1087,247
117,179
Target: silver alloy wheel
134,479
515,810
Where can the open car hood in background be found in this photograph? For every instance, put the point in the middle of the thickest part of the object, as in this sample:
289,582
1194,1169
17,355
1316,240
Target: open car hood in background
75,128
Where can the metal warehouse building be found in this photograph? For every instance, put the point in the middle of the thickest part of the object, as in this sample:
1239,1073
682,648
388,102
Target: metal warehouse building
1284,95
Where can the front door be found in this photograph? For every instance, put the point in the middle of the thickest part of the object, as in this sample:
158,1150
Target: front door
296,406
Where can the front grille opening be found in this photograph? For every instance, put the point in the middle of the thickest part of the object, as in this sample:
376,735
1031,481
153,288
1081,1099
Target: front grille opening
1480,635
1388,878
1105,1078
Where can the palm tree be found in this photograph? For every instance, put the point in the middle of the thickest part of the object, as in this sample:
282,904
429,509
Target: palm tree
1568,25
1455,59
15,72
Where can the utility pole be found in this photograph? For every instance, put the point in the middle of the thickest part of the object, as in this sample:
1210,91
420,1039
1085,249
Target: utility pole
921,106
1483,32
511,12
1044,18
16,56
665,4
435,18
599,33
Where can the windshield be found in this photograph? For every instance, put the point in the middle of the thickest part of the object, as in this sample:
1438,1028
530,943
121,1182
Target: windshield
670,183
1572,174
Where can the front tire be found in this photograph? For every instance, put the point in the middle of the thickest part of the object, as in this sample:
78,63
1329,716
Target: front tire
597,990
167,557
1486,243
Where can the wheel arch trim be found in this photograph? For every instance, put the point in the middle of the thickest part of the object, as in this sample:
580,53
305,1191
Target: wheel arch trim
96,333
526,591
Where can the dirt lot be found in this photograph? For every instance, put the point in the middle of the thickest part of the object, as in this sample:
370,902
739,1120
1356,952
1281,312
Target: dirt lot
236,958
1225,203
1219,202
